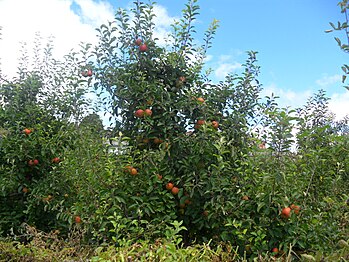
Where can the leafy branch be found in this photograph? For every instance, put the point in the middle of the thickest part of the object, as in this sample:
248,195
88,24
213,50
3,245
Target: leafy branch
344,5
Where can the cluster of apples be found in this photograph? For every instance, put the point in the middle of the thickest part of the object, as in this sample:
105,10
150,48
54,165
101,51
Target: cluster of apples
170,187
174,191
142,113
87,73
131,170
142,46
156,140
35,162
286,211
201,122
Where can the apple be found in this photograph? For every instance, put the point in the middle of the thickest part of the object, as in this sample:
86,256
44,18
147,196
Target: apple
35,162
128,169
148,112
56,160
143,48
286,212
261,145
275,250
139,113
89,72
199,123
27,131
157,141
175,190
133,171
200,100
187,201
77,219
215,124
138,42
169,186
245,198
295,208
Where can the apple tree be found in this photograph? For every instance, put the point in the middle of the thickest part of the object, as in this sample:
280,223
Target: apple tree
182,129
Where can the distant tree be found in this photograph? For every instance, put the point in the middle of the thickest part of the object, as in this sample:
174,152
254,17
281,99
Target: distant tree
92,122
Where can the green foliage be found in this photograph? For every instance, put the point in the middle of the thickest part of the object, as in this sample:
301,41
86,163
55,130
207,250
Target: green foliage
36,115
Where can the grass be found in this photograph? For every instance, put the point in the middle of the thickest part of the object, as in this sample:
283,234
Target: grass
48,247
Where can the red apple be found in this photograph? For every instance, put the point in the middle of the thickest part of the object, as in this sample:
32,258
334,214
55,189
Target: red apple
143,48
56,160
89,72
169,186
199,123
148,112
215,124
200,100
157,141
77,219
175,190
182,78
139,113
286,212
138,42
275,250
27,131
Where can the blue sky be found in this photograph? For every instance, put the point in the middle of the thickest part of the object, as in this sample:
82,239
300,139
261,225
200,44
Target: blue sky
296,57
295,54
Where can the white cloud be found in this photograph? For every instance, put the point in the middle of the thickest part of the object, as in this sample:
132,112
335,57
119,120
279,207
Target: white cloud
339,104
208,58
162,18
225,64
339,101
326,81
163,23
224,58
95,13
287,98
21,19
224,69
